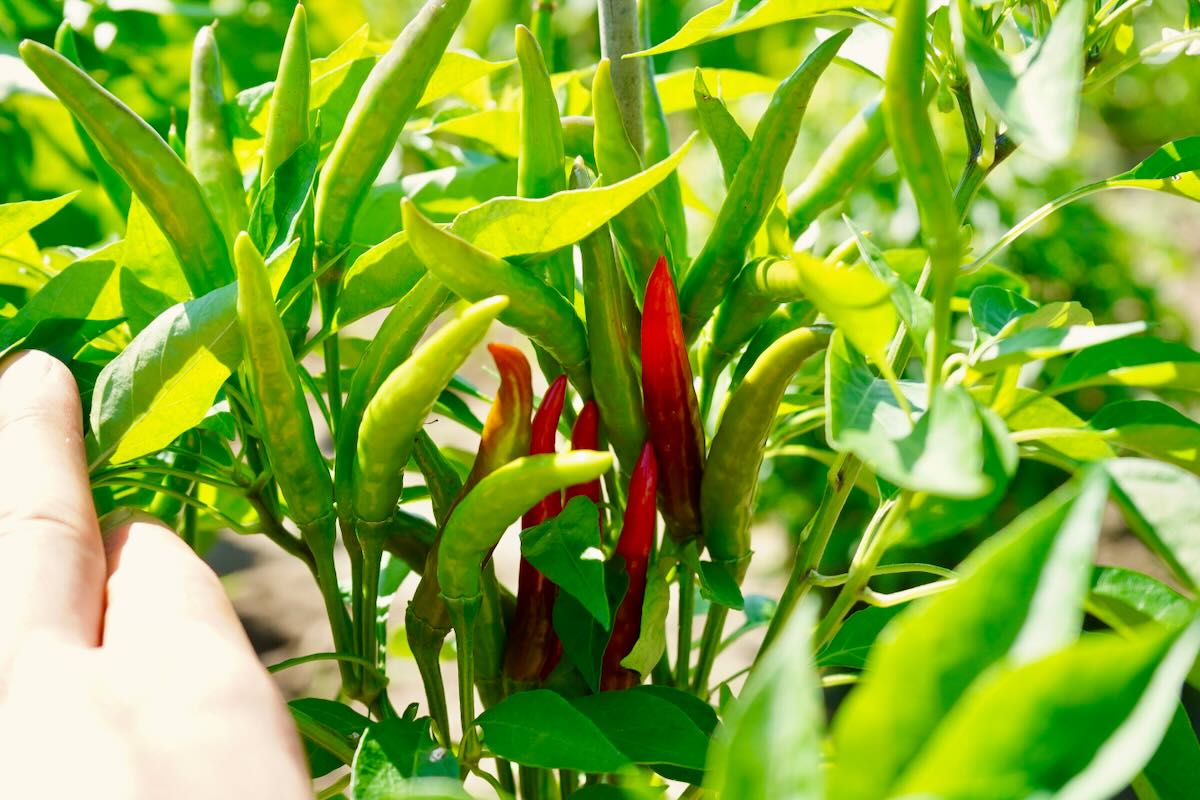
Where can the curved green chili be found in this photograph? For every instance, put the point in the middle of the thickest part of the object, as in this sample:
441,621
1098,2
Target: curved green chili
745,308
754,190
208,145
786,318
397,412
113,184
147,163
612,324
844,162
726,135
639,229
287,120
536,310
384,104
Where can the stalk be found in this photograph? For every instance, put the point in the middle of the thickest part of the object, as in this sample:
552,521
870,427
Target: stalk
686,611
619,36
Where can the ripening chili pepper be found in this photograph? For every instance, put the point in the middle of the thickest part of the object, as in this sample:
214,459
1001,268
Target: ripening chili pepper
287,121
507,430
380,111
634,547
533,648
672,411
147,163
753,191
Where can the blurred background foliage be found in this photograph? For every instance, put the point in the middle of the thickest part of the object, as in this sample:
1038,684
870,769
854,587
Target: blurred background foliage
1123,255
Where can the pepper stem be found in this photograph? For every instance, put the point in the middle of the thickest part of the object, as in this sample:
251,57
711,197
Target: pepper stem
687,604
463,612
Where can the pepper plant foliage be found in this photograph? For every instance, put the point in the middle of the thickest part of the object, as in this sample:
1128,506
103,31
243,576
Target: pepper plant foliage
210,345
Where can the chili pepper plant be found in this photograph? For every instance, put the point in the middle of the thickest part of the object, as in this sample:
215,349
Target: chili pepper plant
685,349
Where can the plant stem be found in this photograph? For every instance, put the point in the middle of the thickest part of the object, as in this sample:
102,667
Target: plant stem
618,37
683,655
311,657
710,645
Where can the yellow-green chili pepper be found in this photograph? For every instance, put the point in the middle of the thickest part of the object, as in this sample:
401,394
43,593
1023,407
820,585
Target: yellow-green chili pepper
287,121
727,136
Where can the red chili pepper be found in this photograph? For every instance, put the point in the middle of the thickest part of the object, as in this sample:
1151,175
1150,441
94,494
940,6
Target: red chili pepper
672,411
586,436
634,546
533,649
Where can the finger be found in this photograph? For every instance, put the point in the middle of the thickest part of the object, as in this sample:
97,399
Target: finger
51,560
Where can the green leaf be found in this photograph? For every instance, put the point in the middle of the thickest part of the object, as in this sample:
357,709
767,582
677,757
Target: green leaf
541,729
652,641
942,453
723,19
646,728
1036,93
498,128
855,300
22,217
165,381
392,752
1142,361
1019,597
993,308
1093,714
770,744
853,641
566,549
1124,599
1174,771
915,311
675,88
1151,428
583,638
1161,503
504,227
337,717
1172,168
147,254
1032,344
1063,432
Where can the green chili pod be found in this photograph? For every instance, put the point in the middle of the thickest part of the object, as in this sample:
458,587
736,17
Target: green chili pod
497,502
727,136
397,412
287,121
384,104
754,190
842,164
920,160
403,327
440,476
611,316
147,163
786,318
639,229
113,184
286,425
208,145
540,170
669,193
536,310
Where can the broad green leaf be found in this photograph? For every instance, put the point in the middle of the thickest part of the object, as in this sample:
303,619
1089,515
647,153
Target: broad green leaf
993,308
335,716
1124,599
583,638
915,311
394,751
852,643
441,194
1161,503
652,642
941,453
148,254
723,19
541,729
646,728
503,226
498,128
1019,597
1093,713
1036,93
770,744
459,68
1174,771
1033,344
566,549
716,584
1141,361
1060,430
855,300
165,381
675,88
1173,168
1151,428
22,217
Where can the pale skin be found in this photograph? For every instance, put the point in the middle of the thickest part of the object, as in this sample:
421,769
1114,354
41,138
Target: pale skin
124,672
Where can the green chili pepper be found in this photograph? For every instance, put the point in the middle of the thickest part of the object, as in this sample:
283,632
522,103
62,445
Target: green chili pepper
113,184
612,325
397,412
738,318
639,229
727,136
287,430
440,476
786,318
148,165
669,193
730,482
209,146
754,190
543,29
842,164
384,104
536,310
287,121
911,134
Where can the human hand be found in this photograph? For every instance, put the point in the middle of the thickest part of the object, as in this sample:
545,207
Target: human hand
124,672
